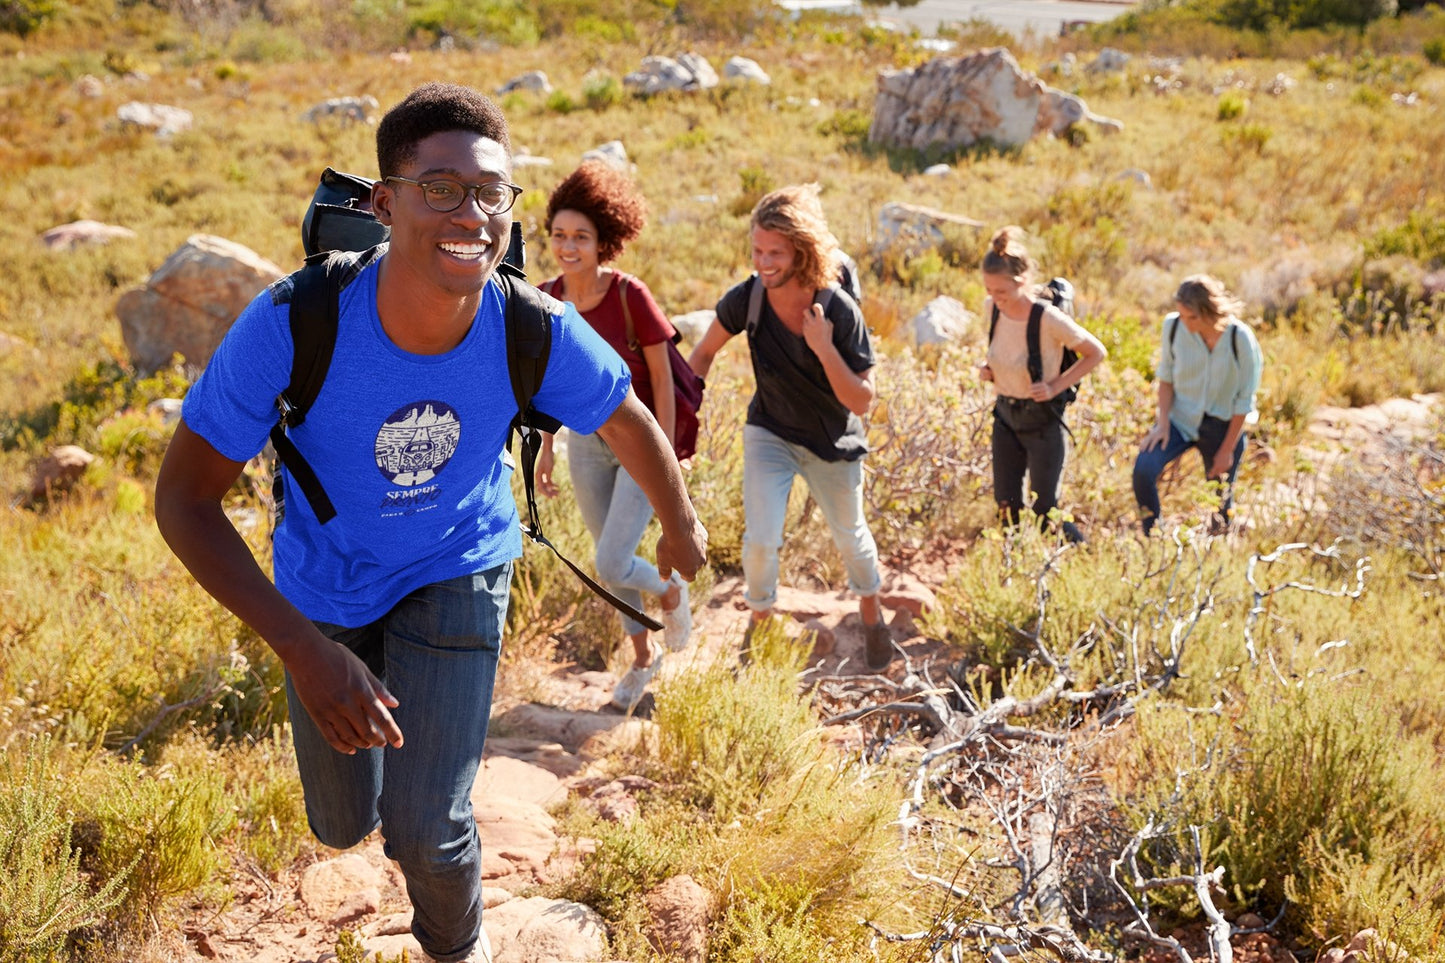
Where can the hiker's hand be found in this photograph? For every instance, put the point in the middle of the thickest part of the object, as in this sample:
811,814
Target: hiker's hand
348,704
1041,391
817,329
1156,438
1223,461
546,462
683,555
985,373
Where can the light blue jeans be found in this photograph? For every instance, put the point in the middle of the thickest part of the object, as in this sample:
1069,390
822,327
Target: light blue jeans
436,651
616,513
769,467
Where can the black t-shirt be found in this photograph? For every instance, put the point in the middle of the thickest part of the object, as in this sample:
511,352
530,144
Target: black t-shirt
793,399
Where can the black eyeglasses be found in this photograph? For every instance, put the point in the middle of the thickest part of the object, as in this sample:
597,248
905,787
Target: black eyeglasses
444,194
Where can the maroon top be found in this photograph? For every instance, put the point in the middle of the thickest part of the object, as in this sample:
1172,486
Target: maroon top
650,325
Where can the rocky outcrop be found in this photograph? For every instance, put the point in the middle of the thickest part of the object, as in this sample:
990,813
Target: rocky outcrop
163,119
986,97
57,472
188,304
942,320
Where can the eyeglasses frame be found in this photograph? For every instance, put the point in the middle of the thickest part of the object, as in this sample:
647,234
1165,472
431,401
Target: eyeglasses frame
468,190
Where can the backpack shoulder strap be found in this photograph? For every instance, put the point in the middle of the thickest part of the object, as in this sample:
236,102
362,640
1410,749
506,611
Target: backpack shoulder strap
315,322
824,297
992,322
1036,357
755,306
624,290
1234,341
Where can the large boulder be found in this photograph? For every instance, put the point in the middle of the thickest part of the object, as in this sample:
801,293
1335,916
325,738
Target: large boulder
164,119
188,304
942,320
689,71
960,101
914,229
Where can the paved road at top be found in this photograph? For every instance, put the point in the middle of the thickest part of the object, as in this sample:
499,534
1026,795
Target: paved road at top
1042,16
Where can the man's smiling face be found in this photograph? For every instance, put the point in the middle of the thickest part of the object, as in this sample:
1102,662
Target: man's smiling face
456,251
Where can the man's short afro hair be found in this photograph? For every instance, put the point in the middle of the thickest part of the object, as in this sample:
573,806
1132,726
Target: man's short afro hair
433,109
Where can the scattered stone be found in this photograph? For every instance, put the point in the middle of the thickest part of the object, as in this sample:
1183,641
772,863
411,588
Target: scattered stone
67,237
345,110
189,303
58,472
399,57
164,120
1249,921
936,170
90,86
656,74
679,910
326,887
903,590
694,324
942,320
1109,61
169,410
522,780
524,158
914,229
824,639
539,930
748,71
612,153
1137,176
533,80
356,905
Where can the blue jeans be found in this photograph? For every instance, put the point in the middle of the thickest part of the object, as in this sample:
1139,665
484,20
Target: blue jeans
436,651
769,466
616,512
1151,464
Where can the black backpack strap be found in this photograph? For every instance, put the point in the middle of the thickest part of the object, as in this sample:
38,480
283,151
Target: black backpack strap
824,297
314,320
755,306
529,344
1036,357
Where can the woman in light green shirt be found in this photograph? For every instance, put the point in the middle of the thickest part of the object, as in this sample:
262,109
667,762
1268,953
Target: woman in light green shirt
1209,367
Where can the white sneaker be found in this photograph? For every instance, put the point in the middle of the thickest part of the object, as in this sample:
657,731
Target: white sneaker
631,686
677,622
481,952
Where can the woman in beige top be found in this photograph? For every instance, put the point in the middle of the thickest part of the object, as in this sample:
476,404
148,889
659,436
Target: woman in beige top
1029,437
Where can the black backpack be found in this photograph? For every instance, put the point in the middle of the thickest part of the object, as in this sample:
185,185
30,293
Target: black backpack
1061,294
341,238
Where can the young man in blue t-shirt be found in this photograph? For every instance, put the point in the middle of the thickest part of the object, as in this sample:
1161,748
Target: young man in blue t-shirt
388,618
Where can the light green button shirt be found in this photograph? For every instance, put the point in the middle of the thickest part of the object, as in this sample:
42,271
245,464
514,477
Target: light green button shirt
1221,382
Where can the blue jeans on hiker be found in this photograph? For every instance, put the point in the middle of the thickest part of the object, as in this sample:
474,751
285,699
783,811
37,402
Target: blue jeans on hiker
1151,464
616,512
436,651
769,466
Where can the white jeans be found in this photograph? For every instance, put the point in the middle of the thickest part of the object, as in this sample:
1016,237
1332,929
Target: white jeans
616,512
769,466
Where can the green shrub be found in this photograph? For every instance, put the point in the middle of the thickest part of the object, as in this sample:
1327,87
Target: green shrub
1232,105
1434,50
561,102
601,91
44,893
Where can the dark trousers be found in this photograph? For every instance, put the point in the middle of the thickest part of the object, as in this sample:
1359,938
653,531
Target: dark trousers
1151,464
1028,439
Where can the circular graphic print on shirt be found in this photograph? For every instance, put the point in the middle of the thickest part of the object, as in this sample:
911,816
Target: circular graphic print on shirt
417,441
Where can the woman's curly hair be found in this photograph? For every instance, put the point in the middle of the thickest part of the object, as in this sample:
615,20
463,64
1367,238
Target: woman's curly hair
607,198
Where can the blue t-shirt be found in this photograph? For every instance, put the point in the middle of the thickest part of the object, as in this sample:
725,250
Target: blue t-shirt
408,447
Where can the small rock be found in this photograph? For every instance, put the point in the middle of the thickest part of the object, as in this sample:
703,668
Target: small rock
58,472
679,910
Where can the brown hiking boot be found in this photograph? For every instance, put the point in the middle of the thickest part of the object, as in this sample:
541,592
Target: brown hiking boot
877,645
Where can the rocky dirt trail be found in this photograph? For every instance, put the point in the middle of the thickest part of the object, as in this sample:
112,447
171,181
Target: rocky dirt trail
538,754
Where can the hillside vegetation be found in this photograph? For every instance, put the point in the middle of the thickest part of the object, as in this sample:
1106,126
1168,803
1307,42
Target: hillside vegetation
1267,703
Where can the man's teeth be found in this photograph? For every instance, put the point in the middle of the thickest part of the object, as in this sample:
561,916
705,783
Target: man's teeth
465,250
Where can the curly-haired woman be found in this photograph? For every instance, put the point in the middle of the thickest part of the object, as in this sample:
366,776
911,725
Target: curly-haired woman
591,215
